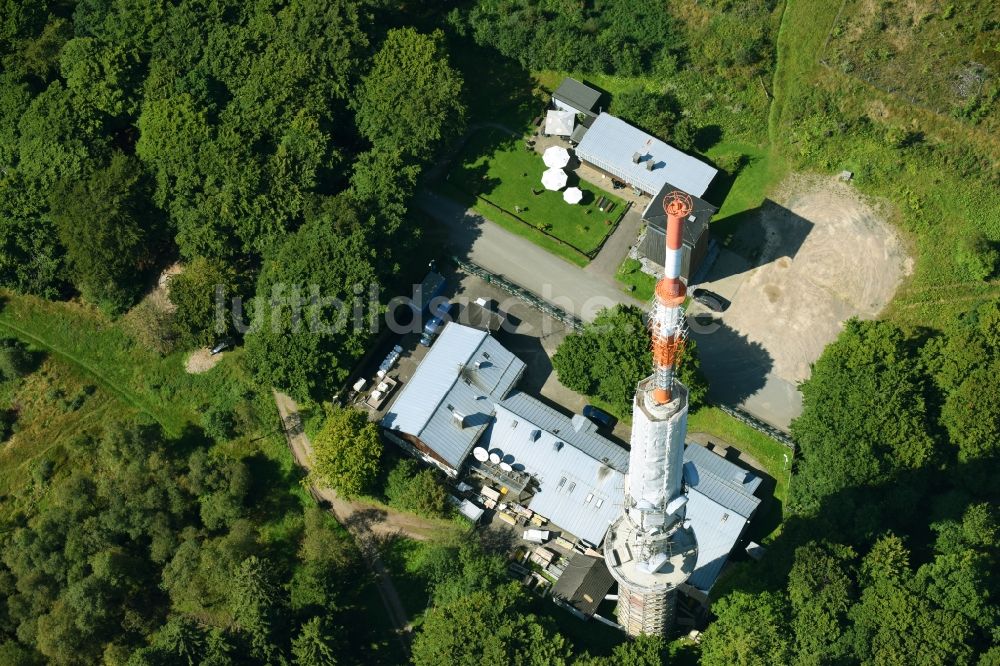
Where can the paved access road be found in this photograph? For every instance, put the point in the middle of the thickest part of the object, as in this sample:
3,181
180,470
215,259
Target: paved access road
578,291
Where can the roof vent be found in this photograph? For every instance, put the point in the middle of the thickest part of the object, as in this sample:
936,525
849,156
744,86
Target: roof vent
479,364
535,434
636,158
556,446
650,164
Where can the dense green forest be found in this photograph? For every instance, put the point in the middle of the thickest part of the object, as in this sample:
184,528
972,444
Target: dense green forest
889,554
260,143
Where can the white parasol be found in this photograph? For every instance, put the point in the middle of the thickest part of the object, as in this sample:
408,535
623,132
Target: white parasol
572,195
555,157
554,179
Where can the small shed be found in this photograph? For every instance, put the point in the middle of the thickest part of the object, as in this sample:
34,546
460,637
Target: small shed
572,95
583,585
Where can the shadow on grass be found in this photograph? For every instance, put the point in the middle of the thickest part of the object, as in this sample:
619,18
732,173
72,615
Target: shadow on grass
723,182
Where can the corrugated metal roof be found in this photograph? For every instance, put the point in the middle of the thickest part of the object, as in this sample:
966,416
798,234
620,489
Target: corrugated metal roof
577,492
611,142
720,504
725,471
579,431
717,530
448,402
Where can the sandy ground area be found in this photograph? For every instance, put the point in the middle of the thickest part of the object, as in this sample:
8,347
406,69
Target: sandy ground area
160,296
201,360
817,255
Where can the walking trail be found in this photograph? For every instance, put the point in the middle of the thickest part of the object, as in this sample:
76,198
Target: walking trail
368,524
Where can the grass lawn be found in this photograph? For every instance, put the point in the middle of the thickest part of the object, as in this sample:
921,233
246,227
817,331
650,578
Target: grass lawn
631,274
497,167
57,404
156,386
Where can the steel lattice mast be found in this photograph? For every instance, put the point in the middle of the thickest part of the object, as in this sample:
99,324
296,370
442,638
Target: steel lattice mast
651,550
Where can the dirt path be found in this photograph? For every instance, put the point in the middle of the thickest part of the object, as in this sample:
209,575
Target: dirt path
368,524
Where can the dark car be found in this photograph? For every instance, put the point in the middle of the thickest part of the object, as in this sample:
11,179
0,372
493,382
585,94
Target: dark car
710,299
599,416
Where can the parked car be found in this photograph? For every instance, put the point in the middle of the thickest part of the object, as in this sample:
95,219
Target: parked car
438,318
221,346
710,299
599,416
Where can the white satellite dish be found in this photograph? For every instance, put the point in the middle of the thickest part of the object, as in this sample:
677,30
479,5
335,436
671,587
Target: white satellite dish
505,467
480,454
495,459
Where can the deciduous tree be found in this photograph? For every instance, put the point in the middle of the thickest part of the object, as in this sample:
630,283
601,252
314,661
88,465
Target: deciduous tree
347,452
411,96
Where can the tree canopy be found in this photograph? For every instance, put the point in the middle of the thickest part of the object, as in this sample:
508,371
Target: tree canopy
347,452
609,357
887,552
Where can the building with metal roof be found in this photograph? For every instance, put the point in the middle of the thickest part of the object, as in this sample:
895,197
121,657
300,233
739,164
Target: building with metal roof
446,406
721,503
579,474
696,236
571,95
627,153
583,585
464,395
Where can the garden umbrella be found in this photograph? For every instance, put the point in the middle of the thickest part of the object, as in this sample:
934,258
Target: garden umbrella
555,157
572,195
554,179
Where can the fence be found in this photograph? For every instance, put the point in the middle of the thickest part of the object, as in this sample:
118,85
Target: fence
520,293
759,426
585,254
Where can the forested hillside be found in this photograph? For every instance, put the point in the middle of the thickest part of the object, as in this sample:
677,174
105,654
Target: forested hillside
225,134
890,552
151,516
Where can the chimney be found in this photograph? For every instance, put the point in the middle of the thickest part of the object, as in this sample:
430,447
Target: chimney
636,158
650,164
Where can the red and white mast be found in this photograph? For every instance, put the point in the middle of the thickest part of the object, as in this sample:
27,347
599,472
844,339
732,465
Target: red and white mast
651,550
666,321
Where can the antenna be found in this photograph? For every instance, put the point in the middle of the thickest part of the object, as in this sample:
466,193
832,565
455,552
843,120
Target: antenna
666,321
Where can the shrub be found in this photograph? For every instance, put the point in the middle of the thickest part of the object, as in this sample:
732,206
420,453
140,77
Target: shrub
15,359
219,424
8,418
978,257
417,491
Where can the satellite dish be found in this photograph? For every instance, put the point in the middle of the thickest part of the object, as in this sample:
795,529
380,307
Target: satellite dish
505,467
495,459
480,454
